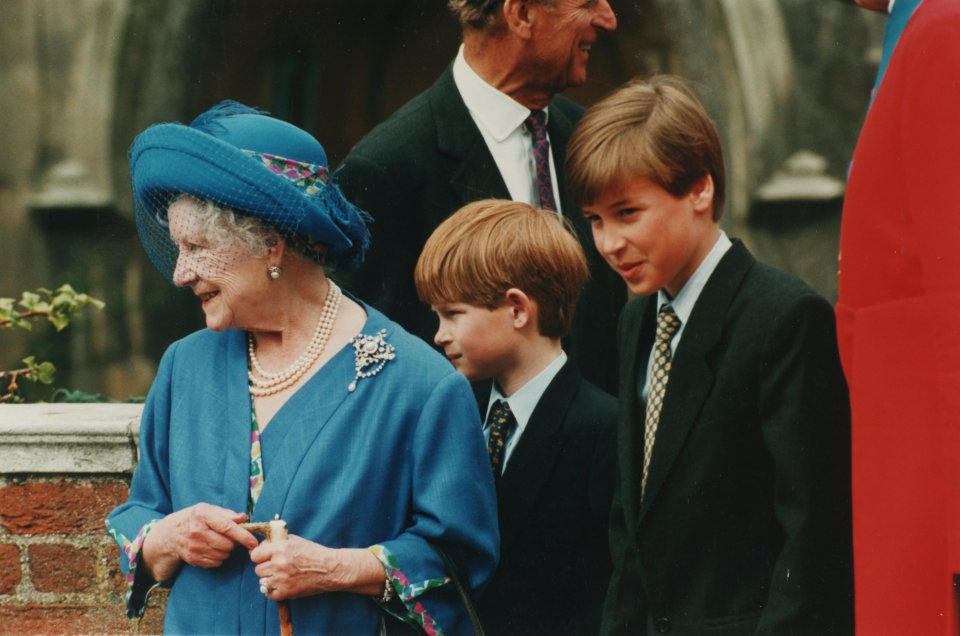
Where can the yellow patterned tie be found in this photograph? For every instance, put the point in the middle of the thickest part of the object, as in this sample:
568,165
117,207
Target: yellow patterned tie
667,325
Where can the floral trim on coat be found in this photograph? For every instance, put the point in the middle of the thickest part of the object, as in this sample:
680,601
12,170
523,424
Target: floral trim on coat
130,550
408,593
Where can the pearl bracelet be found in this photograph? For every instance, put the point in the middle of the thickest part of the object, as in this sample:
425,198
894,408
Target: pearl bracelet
387,591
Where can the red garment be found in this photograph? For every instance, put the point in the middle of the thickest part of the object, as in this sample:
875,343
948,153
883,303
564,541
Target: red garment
898,317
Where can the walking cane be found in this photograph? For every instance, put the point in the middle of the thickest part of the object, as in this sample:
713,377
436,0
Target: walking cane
275,531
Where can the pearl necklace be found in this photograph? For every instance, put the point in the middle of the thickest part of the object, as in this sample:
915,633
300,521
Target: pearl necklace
267,383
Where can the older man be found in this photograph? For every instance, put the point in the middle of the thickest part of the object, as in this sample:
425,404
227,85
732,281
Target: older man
898,318
492,125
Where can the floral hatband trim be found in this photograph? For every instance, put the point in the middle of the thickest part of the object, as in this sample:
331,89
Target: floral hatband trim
408,592
306,177
371,354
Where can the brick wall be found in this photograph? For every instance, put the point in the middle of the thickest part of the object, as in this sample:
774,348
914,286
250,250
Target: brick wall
62,469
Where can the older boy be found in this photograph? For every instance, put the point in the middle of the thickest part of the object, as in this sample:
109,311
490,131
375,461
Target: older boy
504,279
731,510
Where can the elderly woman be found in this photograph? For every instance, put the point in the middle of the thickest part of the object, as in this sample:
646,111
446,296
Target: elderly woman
298,401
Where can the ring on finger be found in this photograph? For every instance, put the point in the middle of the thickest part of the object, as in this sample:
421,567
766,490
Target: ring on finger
264,587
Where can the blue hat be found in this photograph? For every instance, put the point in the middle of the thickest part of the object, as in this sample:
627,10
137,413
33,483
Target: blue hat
241,158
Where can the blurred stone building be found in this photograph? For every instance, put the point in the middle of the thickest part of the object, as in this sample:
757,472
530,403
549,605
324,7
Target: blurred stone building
786,80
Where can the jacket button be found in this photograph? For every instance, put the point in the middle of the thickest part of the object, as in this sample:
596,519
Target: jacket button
662,625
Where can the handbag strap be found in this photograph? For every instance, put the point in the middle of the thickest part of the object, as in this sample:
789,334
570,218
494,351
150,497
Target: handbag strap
454,573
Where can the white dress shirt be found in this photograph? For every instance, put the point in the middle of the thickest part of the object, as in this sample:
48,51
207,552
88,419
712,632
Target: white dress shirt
523,401
501,122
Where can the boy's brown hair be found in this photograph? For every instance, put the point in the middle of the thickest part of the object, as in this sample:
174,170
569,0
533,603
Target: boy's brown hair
489,246
654,128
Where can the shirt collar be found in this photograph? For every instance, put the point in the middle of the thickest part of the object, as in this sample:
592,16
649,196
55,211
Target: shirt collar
525,399
499,113
687,298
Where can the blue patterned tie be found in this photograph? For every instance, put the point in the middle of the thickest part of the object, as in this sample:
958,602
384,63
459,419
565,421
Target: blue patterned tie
501,422
537,125
667,325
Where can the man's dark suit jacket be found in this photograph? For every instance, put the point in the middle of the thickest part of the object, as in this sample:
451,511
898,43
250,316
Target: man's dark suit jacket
745,525
424,163
554,503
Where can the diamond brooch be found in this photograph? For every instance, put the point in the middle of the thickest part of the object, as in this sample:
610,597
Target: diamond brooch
371,353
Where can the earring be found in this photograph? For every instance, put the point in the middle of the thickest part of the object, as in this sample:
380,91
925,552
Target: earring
274,272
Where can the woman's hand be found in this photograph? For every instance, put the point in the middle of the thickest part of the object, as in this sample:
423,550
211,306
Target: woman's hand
202,535
297,567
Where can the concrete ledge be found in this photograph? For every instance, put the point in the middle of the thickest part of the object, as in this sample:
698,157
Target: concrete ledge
68,438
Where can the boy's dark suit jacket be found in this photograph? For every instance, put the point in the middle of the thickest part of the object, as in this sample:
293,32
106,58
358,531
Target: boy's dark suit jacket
554,502
424,163
745,526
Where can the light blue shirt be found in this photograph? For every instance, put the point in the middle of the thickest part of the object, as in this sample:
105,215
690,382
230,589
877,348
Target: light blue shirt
684,302
523,401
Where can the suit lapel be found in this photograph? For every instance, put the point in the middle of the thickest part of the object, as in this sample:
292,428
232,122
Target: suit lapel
636,339
481,391
536,453
476,175
560,127
692,376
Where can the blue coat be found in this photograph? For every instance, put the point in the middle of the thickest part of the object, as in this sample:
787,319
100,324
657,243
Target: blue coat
398,462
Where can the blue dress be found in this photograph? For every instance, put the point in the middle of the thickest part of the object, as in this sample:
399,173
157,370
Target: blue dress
395,464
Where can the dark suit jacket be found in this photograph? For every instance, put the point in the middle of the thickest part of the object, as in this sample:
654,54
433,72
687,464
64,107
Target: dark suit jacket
421,165
745,526
554,504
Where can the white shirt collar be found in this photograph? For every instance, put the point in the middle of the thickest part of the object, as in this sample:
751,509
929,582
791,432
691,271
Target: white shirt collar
524,400
687,298
498,112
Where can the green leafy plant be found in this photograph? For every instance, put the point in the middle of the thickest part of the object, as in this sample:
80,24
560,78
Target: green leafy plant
59,307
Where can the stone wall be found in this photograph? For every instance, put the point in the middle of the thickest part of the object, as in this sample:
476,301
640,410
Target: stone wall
62,469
